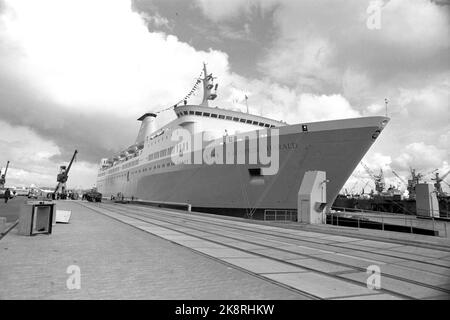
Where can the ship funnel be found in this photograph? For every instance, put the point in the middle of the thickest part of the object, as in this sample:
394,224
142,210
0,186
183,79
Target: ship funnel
147,126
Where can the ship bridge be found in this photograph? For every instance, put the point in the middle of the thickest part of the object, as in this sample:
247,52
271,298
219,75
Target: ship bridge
198,118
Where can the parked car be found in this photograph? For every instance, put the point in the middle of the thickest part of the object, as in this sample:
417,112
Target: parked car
92,196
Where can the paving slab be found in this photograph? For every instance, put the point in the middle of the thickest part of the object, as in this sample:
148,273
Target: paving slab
320,285
244,245
425,277
339,239
198,244
418,265
424,252
349,260
276,254
263,265
439,262
381,296
378,244
320,265
225,253
406,288
371,256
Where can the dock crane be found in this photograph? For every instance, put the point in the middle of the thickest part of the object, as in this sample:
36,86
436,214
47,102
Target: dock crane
362,191
412,182
353,187
3,176
378,178
399,178
437,184
62,177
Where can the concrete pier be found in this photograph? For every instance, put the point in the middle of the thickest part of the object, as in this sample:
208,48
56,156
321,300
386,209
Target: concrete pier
140,252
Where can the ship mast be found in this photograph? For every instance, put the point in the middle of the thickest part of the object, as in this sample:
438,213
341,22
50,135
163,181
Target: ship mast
208,85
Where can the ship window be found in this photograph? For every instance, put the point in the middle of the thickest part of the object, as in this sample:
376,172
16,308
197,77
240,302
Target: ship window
254,172
242,120
198,113
249,121
206,114
228,118
235,119
191,112
213,115
255,122
163,165
267,125
221,116
272,126
185,112
261,124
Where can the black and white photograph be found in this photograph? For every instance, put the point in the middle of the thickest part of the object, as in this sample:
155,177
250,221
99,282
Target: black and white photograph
227,158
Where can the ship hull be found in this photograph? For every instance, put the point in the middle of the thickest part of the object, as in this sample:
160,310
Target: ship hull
337,150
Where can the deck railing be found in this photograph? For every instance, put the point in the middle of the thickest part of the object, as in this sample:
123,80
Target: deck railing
280,215
381,220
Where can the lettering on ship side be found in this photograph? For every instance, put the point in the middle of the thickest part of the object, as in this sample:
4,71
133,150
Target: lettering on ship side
286,146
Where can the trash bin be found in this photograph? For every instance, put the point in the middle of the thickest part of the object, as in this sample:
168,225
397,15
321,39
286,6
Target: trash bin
36,218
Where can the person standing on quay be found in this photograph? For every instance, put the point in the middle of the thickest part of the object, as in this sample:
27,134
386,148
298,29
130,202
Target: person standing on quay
7,195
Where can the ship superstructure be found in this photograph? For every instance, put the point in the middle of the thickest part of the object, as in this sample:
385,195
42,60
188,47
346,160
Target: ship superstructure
151,168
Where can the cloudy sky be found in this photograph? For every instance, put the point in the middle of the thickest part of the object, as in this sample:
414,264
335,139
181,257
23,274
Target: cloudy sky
76,74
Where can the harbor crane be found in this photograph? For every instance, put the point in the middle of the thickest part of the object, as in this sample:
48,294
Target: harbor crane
362,191
402,181
437,184
62,177
377,178
399,178
412,182
353,187
3,176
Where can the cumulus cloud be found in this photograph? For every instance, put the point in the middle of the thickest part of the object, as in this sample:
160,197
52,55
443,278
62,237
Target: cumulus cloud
80,75
421,156
218,10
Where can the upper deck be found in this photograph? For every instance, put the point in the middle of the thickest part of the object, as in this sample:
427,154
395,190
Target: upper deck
185,112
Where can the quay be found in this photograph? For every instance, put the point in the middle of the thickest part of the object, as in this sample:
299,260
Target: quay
126,251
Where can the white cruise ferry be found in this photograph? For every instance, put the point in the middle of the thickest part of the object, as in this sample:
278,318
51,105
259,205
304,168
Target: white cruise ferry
160,168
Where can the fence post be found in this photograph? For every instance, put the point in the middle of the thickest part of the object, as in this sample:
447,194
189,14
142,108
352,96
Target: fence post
358,222
432,218
382,223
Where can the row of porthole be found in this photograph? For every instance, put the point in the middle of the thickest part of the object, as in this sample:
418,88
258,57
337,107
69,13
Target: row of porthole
131,164
221,116
143,170
159,154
